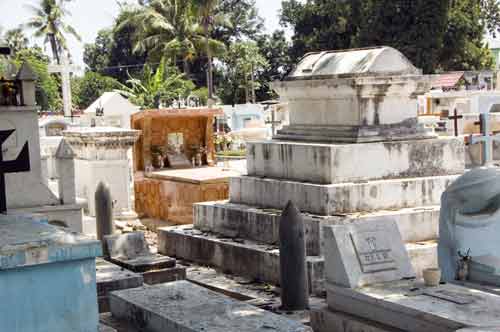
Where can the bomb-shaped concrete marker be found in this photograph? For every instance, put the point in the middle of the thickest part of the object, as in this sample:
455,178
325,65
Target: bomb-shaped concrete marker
293,269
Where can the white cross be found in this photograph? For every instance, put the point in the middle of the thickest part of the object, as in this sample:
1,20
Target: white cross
65,69
485,138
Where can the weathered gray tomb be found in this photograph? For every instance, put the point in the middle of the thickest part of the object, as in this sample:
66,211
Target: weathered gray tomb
370,287
185,307
353,150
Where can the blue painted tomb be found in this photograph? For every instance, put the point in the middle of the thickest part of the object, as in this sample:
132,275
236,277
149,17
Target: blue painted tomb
47,277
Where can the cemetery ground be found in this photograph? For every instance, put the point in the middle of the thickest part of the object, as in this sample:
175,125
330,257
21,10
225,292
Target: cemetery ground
204,175
356,216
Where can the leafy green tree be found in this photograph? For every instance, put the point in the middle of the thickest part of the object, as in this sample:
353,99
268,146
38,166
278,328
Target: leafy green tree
112,54
241,64
47,86
464,48
433,34
275,49
157,88
168,28
88,88
48,23
321,24
209,18
16,39
416,28
490,13
97,55
243,18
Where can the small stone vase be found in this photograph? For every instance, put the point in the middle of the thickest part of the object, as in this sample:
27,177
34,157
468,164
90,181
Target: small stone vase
432,277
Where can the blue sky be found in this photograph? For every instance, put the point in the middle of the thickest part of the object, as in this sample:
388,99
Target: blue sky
89,16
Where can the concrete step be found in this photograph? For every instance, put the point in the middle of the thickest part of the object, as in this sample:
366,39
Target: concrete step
241,257
185,307
111,277
327,320
338,163
262,225
368,196
353,134
259,261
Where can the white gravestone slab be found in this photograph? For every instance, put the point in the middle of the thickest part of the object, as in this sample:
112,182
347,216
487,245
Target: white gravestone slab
410,306
361,254
367,269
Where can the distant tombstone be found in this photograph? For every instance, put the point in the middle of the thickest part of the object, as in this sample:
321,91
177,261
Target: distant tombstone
55,129
469,219
365,253
455,117
485,138
131,251
178,160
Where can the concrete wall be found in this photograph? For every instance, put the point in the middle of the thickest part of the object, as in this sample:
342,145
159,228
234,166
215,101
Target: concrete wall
172,200
116,173
236,115
48,148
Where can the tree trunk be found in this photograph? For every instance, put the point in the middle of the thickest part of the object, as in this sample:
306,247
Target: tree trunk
247,97
210,81
53,45
252,80
185,66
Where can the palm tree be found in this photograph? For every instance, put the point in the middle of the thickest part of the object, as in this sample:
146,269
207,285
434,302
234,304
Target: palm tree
155,88
208,17
48,23
169,28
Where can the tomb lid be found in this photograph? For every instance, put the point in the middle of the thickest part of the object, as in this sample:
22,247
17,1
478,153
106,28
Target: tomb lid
355,62
28,241
100,131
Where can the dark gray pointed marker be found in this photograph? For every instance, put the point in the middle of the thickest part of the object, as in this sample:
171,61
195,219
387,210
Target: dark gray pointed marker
103,213
293,269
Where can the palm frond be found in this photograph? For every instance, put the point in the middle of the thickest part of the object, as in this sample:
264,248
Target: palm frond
69,29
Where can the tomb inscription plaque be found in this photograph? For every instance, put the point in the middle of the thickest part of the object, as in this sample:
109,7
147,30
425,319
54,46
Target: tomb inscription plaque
364,253
373,251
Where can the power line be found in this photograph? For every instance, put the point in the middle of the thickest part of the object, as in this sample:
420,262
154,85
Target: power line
129,66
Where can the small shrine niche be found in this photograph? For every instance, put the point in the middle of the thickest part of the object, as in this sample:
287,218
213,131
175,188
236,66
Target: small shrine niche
17,87
10,92
174,138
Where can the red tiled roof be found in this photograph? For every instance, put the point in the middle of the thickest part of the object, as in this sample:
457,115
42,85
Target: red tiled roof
447,80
